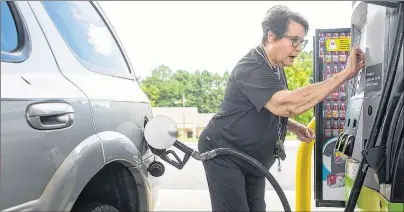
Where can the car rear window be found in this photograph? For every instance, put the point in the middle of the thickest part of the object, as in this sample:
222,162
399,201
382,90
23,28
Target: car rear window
9,36
88,36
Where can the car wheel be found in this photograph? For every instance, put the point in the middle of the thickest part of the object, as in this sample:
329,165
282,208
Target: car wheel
96,207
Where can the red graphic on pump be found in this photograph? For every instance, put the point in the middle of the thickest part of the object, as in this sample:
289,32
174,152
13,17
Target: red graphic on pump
328,112
342,58
328,72
335,69
342,111
335,35
342,93
321,41
335,96
336,180
335,130
335,58
328,58
328,131
341,127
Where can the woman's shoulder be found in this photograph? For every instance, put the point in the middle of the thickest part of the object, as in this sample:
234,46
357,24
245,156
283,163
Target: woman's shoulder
247,64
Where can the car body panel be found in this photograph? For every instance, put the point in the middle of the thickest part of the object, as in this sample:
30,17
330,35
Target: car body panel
110,114
120,107
30,157
70,178
115,101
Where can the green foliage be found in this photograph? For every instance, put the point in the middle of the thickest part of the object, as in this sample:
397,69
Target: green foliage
205,90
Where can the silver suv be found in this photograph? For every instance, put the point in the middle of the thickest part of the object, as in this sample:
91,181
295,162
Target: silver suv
72,113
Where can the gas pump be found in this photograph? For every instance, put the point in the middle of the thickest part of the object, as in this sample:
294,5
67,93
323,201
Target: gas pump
359,150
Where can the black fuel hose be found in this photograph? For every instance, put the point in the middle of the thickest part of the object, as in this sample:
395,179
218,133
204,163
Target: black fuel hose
381,111
393,138
396,102
227,151
397,140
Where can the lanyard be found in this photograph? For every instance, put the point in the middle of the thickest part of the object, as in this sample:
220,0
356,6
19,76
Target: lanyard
279,152
269,63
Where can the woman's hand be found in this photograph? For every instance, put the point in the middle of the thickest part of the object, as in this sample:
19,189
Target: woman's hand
304,133
355,62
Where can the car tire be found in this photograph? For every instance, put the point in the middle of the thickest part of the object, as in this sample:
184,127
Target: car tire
96,207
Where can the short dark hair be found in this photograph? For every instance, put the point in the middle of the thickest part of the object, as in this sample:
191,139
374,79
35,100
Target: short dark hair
277,20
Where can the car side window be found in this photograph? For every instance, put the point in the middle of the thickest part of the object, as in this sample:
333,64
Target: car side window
9,35
87,35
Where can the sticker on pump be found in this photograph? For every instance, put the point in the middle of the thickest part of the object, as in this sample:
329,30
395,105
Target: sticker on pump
337,44
336,180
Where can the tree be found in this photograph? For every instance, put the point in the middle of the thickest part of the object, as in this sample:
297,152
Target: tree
202,89
205,90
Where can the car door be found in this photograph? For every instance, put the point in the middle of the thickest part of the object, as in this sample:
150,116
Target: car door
43,115
93,58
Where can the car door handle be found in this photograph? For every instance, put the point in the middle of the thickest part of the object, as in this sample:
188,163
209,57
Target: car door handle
50,115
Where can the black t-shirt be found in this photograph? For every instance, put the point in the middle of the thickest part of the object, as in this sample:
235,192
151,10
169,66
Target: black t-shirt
243,123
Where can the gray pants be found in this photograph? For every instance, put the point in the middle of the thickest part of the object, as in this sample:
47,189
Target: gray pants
231,185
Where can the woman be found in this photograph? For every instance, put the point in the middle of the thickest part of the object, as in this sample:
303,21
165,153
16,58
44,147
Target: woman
254,114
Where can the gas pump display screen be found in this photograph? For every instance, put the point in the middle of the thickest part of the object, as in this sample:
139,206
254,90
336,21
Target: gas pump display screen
331,51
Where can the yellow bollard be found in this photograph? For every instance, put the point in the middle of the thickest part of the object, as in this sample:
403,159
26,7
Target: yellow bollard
303,173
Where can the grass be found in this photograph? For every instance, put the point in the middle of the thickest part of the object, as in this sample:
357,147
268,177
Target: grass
288,138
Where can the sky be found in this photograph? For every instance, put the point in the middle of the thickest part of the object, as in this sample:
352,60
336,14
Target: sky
205,35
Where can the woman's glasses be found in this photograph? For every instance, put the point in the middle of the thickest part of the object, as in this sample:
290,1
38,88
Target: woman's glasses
296,41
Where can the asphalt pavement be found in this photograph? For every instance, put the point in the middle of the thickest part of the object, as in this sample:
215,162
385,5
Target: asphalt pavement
192,175
186,189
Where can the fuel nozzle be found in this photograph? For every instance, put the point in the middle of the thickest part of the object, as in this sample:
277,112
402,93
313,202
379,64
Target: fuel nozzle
160,134
348,147
177,163
340,142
